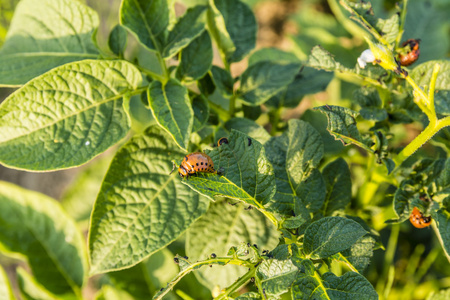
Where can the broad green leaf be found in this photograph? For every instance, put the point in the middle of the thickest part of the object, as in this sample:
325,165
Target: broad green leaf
143,280
218,29
322,59
31,290
172,109
5,287
331,235
117,40
339,186
360,254
45,34
188,27
308,81
222,227
265,79
246,126
272,54
195,59
240,24
276,276
78,199
222,80
401,200
442,219
308,284
35,226
294,155
67,116
389,28
429,22
147,20
140,207
342,125
200,109
422,74
351,286
245,172
249,296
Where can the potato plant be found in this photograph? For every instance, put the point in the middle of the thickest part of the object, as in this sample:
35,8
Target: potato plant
299,206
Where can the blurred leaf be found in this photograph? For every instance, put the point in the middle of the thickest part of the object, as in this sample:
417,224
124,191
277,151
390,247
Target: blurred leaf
272,54
222,227
196,59
31,290
140,206
187,28
331,235
36,227
442,295
42,36
246,126
172,109
246,174
371,104
240,24
342,125
5,286
222,80
147,20
200,108
78,199
276,276
359,254
265,79
67,116
117,40
338,184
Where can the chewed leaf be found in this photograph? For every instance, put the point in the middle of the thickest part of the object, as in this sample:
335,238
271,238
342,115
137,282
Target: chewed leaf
43,36
342,125
245,172
66,116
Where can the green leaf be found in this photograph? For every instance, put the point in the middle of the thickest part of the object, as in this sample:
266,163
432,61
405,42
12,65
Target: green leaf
294,155
222,227
147,20
172,109
351,286
371,104
36,227
342,125
78,199
308,81
308,284
322,59
249,127
218,29
143,280
249,296
222,80
276,276
117,40
5,287
442,219
31,290
195,59
45,34
67,116
200,109
359,254
272,54
331,235
422,74
240,24
187,28
246,174
265,79
140,207
338,184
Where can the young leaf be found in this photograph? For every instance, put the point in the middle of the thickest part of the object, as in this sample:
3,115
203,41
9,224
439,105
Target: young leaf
331,235
43,35
339,186
222,227
246,174
5,287
30,289
240,23
185,30
276,276
172,109
342,125
265,79
195,59
140,206
67,116
36,226
117,40
147,20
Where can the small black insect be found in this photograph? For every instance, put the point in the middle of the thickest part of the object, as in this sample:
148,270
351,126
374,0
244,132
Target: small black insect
176,260
249,141
213,255
185,257
252,279
254,245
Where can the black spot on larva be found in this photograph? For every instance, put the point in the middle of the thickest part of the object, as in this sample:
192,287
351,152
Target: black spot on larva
176,260
201,163
186,158
249,141
197,164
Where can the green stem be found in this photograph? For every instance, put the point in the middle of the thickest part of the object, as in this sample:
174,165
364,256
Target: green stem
223,114
402,24
276,119
237,284
163,66
232,105
419,95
